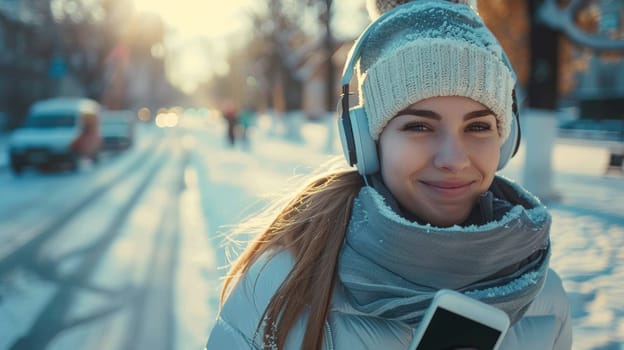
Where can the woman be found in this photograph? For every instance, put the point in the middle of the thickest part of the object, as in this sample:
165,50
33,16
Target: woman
354,259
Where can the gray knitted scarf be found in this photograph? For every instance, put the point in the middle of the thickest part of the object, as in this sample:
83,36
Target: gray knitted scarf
391,267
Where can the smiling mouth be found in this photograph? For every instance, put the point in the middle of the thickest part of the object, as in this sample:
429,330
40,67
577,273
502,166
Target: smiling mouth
449,189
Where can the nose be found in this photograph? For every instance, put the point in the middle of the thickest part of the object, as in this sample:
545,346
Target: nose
451,154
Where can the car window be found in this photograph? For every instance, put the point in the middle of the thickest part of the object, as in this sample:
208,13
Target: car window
45,121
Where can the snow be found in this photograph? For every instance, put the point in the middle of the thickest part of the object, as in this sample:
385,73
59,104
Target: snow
15,316
223,185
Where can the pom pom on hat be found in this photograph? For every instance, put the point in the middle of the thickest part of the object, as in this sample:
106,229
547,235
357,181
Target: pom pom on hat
432,48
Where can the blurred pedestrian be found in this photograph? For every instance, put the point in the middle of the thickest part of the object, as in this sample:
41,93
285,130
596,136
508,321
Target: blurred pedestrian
230,114
246,120
354,259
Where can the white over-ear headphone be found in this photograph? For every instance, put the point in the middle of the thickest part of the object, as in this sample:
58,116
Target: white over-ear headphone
358,146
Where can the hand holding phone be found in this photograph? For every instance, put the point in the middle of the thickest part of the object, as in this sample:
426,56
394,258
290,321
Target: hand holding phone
455,321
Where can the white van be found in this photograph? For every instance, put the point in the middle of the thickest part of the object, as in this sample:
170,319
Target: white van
117,129
56,131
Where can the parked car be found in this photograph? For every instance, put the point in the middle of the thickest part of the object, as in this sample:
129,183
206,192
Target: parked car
56,131
117,128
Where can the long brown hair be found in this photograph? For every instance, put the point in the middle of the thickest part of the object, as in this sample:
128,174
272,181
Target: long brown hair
312,227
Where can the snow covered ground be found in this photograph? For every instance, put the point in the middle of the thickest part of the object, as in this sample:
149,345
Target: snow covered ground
223,185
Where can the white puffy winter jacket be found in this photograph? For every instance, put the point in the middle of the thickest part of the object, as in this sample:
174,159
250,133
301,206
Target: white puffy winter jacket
546,324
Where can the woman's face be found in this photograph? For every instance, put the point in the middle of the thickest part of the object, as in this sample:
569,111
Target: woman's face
438,155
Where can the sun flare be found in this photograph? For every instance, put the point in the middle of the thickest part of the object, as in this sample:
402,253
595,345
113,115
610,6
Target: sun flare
210,19
199,35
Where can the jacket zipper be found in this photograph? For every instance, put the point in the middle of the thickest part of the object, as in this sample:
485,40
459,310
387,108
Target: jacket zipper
329,338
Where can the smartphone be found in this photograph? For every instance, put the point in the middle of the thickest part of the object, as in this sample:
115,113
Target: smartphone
458,322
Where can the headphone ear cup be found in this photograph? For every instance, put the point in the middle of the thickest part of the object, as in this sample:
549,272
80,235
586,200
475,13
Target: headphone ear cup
346,138
365,147
511,144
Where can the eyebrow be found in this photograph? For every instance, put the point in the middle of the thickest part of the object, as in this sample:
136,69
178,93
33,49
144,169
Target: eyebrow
433,115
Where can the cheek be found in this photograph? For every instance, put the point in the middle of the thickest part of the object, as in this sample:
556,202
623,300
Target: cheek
390,152
399,157
487,156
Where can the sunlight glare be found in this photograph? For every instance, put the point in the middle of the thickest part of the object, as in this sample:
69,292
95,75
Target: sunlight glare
200,34
211,19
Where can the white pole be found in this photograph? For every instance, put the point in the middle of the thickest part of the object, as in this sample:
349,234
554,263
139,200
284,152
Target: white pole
539,130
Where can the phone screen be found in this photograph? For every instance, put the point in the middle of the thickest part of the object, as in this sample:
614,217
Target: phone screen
450,331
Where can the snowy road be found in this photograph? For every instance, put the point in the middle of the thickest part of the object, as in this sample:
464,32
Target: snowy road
92,251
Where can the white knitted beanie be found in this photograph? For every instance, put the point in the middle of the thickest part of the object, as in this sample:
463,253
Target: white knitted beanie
429,48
